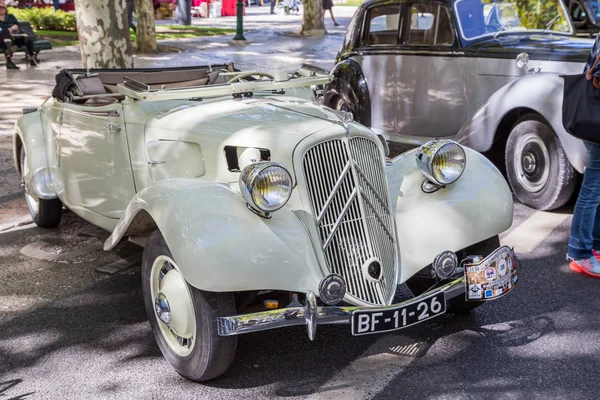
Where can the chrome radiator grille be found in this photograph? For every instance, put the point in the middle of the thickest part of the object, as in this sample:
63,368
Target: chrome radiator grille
349,198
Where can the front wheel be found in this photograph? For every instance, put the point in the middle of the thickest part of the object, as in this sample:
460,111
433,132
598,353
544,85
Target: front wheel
537,167
183,318
45,213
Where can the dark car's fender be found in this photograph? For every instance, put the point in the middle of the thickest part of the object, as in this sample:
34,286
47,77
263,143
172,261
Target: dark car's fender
350,86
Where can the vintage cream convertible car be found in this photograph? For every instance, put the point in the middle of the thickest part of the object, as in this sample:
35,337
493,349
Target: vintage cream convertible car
260,208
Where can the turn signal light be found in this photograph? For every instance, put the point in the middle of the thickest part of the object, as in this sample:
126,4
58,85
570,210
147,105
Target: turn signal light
271,304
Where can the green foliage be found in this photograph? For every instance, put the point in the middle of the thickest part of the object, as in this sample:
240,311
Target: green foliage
350,3
530,14
538,14
46,18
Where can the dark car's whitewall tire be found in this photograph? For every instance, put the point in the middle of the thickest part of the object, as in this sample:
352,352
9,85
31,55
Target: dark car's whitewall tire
45,213
183,318
537,167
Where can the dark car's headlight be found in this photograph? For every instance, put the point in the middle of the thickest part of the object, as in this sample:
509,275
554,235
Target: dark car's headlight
441,161
266,186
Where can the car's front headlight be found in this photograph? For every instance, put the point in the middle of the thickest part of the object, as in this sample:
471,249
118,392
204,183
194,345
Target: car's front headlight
441,161
266,186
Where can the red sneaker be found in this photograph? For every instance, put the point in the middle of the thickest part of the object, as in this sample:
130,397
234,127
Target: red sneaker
587,266
596,254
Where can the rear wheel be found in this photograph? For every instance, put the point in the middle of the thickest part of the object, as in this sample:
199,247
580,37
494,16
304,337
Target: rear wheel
537,167
183,318
45,213
457,305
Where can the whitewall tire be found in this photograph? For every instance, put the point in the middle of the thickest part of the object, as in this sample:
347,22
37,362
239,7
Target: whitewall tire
183,318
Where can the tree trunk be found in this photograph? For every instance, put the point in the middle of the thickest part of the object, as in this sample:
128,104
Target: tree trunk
183,12
312,19
103,34
146,29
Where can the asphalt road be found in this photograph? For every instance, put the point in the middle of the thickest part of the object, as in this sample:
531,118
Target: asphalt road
68,331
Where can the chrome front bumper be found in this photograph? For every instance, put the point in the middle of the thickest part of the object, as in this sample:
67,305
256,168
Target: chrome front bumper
311,315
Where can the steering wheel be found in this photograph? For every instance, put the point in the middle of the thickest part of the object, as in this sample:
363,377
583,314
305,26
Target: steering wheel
244,75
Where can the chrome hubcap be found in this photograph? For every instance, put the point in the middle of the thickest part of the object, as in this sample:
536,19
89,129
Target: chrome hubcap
531,162
173,306
162,308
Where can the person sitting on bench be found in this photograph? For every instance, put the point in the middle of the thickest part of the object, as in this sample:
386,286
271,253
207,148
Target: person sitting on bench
10,37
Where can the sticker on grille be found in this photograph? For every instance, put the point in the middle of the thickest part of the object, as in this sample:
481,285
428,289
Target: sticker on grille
347,187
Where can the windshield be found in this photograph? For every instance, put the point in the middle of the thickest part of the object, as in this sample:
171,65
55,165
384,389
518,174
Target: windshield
594,7
478,18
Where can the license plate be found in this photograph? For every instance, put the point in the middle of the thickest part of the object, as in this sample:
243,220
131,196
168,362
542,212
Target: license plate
365,322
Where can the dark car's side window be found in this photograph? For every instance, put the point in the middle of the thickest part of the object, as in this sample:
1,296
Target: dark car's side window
381,27
430,25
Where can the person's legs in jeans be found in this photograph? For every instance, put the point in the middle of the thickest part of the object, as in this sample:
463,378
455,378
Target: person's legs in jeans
585,227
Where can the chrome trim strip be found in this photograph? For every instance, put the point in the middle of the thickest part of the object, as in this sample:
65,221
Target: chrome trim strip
293,316
94,113
338,222
382,202
381,221
333,192
136,85
225,89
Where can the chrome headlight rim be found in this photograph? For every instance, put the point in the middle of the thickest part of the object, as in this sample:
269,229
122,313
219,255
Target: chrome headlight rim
249,178
426,158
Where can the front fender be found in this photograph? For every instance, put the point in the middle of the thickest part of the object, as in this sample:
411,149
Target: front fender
541,93
219,244
476,207
30,134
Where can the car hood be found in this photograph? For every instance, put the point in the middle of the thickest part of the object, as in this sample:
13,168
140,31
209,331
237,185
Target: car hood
539,47
274,123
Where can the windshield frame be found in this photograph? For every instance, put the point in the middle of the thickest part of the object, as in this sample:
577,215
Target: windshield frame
508,32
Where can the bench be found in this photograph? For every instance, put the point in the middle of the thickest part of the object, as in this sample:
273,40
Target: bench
38,45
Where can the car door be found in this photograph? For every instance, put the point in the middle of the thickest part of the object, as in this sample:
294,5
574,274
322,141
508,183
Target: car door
94,159
377,59
430,88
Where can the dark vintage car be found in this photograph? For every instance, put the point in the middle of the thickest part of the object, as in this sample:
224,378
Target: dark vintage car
416,70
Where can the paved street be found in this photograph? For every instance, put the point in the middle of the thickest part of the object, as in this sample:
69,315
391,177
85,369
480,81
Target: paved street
68,331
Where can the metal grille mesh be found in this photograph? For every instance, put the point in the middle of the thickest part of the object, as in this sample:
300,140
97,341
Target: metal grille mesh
348,193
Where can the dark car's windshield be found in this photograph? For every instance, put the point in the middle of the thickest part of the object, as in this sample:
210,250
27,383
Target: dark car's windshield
478,18
594,7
